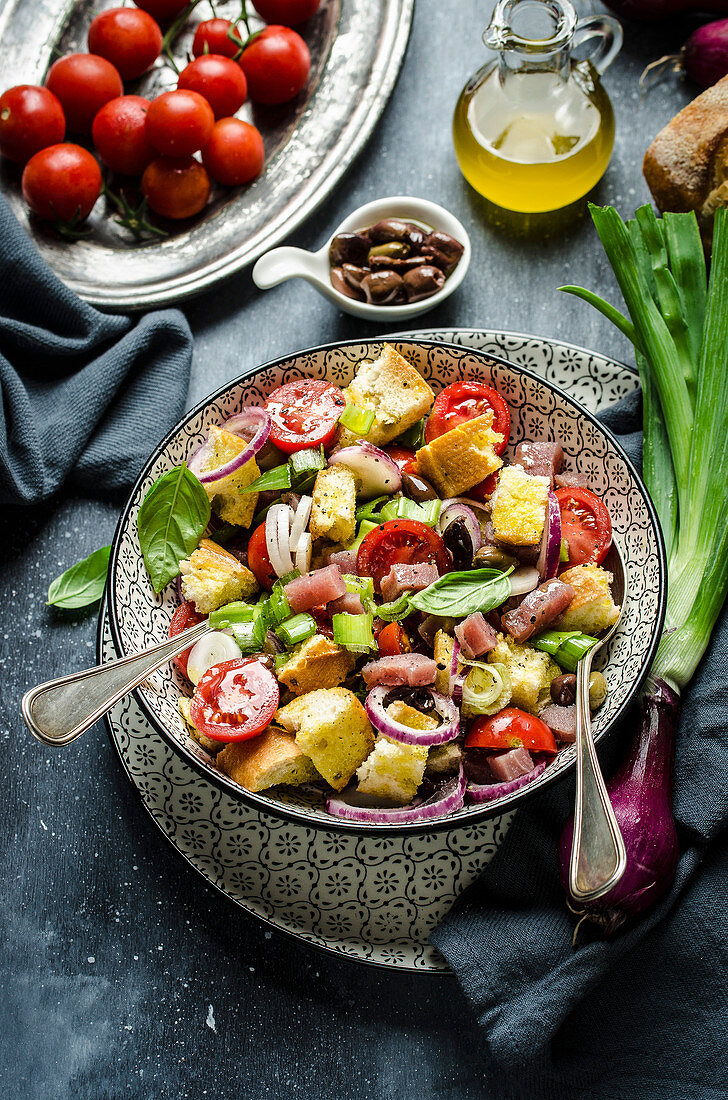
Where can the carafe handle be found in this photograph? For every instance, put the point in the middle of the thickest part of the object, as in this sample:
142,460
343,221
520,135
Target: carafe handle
607,31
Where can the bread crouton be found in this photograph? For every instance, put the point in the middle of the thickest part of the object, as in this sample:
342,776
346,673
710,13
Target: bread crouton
518,507
444,759
530,672
410,716
442,652
393,771
269,760
333,512
332,728
212,577
395,392
462,457
316,663
592,609
227,501
207,743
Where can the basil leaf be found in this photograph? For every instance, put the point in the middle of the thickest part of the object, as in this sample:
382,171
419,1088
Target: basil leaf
461,593
171,520
82,584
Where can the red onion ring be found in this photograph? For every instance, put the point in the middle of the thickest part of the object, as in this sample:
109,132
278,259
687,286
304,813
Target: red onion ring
278,537
259,418
488,792
524,580
448,730
375,471
457,679
455,509
550,553
449,798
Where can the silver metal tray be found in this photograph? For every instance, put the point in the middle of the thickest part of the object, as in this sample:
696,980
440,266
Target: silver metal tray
356,47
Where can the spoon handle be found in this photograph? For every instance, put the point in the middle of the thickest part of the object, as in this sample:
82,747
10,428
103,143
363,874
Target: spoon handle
58,711
598,854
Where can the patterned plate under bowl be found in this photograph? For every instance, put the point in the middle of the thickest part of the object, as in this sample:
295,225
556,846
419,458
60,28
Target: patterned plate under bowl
539,409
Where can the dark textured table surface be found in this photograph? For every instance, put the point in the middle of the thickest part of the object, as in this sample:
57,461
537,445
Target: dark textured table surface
112,950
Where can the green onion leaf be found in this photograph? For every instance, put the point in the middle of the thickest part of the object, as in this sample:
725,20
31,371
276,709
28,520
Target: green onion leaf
277,478
354,632
404,508
567,647
365,527
397,610
236,612
297,629
356,419
280,608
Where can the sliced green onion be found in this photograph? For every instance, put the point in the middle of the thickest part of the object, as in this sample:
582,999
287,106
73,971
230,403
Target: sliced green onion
370,510
250,635
354,632
281,659
305,463
404,508
277,478
288,577
396,610
297,629
356,419
414,437
564,551
237,612
365,527
362,586
485,686
280,608
567,647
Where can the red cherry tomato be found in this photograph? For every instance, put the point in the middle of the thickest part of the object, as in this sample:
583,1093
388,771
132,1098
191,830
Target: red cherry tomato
219,36
277,64
258,559
162,9
176,187
509,729
288,12
184,617
586,525
484,489
128,38
234,154
120,135
464,401
31,118
305,414
83,82
393,640
404,541
62,183
404,457
219,79
179,123
235,700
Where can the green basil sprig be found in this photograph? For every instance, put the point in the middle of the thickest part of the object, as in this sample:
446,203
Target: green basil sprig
461,593
82,584
171,520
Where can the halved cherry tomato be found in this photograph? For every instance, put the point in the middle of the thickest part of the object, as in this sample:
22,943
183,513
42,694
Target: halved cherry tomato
393,640
184,616
405,541
235,700
509,729
404,457
305,414
484,489
258,559
464,401
585,524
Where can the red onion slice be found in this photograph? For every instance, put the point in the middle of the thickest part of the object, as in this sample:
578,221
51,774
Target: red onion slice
278,537
524,580
375,471
488,792
384,723
449,798
248,418
300,521
303,553
455,509
550,553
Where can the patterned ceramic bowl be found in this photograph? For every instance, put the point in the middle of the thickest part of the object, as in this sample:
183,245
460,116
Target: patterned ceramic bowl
540,410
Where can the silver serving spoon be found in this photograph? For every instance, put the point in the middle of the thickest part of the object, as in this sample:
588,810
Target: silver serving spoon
598,855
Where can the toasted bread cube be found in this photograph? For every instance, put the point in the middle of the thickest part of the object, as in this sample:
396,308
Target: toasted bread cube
269,760
592,609
396,393
462,457
393,770
530,672
207,743
316,663
410,716
518,507
212,577
225,497
442,652
444,759
332,728
333,512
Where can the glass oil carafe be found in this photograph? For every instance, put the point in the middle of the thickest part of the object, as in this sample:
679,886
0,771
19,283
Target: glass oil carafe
534,128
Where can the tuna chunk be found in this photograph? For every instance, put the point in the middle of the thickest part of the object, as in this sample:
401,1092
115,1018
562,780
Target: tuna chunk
540,459
408,578
561,721
413,669
510,765
537,609
476,635
348,604
345,559
572,481
321,586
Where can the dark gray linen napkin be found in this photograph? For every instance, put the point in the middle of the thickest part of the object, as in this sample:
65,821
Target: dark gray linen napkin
645,1013
84,395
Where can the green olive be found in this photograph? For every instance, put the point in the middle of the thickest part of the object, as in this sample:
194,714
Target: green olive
494,558
597,690
394,250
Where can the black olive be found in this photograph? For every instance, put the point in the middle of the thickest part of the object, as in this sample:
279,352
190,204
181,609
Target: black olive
339,283
349,248
395,229
354,275
417,488
383,288
563,690
423,282
419,698
444,251
381,263
458,541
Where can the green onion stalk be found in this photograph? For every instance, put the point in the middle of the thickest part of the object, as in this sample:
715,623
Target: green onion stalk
677,321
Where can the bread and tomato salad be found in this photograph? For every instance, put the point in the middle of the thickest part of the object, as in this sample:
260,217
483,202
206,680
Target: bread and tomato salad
396,608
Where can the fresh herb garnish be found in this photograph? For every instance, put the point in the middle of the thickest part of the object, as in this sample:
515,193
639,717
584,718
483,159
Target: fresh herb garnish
463,592
82,584
171,522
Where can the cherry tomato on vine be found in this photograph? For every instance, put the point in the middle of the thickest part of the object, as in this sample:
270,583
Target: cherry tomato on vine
219,79
288,12
127,37
179,123
175,187
120,135
400,541
393,640
509,729
83,82
162,9
305,414
184,617
277,64
234,154
31,118
585,524
61,183
463,401
219,36
235,700
258,559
